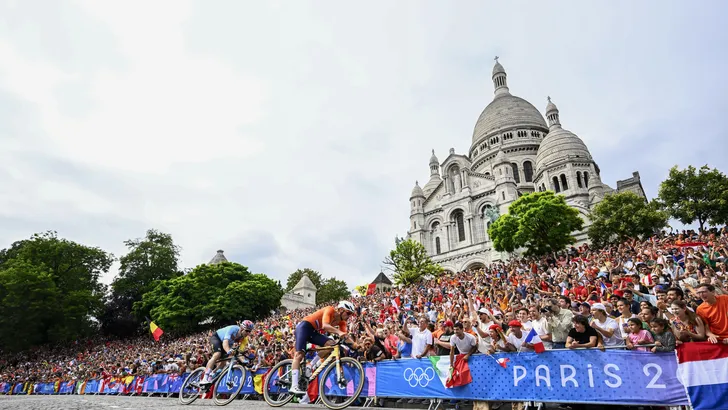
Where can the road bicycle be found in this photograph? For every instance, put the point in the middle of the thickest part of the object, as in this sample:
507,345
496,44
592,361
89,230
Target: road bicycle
341,379
226,384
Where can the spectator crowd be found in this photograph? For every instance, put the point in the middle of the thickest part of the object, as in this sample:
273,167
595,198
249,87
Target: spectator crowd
646,295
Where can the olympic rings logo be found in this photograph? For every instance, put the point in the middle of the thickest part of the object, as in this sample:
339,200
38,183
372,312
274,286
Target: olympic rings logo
419,376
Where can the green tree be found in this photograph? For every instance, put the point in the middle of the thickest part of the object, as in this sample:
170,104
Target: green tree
220,293
28,300
332,290
296,276
692,194
150,259
622,216
410,262
74,270
541,222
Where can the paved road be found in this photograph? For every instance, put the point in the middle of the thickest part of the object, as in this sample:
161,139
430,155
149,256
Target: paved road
121,403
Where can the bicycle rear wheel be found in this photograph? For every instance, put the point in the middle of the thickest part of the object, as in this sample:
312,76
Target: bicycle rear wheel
276,384
340,391
190,389
228,385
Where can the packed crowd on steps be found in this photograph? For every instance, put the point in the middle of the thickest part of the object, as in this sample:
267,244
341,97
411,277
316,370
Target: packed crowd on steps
656,293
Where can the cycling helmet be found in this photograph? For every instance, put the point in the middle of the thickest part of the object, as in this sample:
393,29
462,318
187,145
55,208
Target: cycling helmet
347,306
247,325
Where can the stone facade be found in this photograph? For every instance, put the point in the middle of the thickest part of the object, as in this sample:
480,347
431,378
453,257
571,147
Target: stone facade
514,151
302,296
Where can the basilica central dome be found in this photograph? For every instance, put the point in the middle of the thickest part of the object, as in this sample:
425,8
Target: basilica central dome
507,111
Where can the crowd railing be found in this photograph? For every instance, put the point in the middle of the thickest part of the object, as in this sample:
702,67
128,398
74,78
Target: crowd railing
612,376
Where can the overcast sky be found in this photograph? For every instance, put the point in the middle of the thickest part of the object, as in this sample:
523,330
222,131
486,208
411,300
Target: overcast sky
290,133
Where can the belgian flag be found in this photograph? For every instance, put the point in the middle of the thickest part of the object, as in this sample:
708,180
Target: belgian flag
156,330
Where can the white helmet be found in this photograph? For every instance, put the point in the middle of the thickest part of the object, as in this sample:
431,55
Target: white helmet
347,306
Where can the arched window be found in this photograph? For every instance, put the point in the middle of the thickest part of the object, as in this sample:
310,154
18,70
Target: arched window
557,188
516,175
437,246
528,171
564,185
460,223
586,180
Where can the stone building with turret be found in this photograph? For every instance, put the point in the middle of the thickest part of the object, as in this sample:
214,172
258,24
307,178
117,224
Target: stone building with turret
513,151
302,296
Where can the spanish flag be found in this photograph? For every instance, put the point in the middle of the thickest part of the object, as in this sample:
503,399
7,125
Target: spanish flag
156,331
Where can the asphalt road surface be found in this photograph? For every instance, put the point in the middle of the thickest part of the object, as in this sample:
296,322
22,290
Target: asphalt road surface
73,402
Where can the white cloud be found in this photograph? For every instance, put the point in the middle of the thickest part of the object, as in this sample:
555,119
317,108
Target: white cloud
290,133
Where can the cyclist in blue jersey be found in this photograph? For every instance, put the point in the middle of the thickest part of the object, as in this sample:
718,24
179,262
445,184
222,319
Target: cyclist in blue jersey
222,342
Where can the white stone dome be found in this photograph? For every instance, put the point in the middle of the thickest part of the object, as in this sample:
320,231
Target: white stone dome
417,191
504,112
431,185
561,144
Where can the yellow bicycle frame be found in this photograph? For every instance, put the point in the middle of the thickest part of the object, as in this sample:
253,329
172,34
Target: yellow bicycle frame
335,355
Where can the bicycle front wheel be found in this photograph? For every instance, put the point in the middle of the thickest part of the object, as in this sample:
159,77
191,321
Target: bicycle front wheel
276,384
228,385
191,389
339,391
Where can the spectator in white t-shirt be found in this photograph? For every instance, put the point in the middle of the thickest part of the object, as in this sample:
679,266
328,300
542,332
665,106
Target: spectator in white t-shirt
516,338
421,339
541,324
606,326
464,343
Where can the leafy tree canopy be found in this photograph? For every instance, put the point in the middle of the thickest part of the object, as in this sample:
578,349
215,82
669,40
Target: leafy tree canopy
541,222
221,294
150,259
49,272
624,215
692,194
332,290
410,262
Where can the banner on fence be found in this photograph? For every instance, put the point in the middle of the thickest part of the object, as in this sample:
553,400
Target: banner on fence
156,383
580,376
66,387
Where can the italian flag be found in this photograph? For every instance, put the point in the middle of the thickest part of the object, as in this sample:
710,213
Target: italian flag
442,368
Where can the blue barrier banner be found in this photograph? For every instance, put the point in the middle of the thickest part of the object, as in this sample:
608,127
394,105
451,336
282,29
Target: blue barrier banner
156,383
18,389
5,388
92,387
67,387
45,388
230,380
175,382
618,377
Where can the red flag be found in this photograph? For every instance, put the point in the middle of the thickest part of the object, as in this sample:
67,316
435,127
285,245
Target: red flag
371,288
313,390
460,374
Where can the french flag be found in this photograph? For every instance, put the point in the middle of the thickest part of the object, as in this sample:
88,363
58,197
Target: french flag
396,302
703,369
533,339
